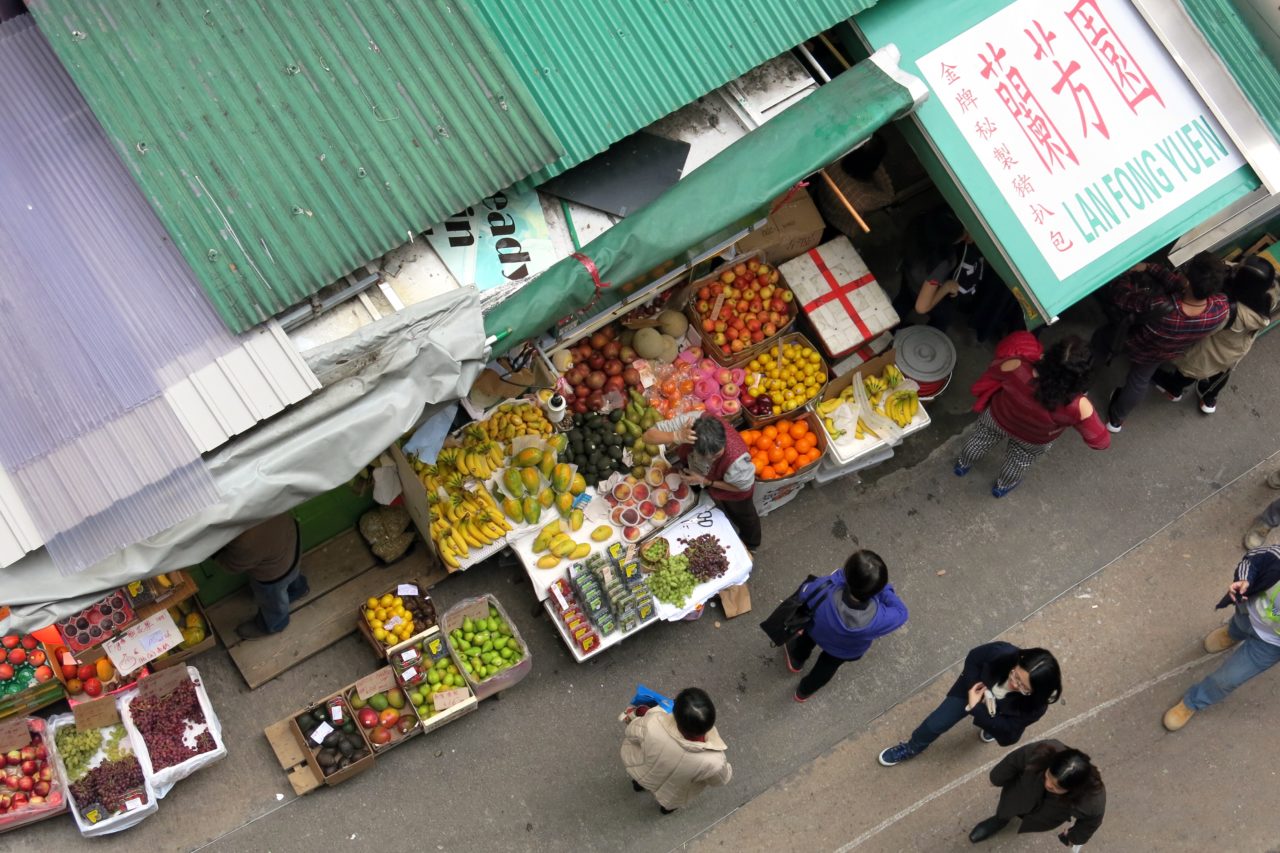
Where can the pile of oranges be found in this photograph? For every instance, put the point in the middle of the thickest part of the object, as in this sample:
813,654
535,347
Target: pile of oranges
782,449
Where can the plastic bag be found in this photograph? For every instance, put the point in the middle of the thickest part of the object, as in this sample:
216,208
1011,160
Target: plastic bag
645,696
118,823
162,781
879,424
32,813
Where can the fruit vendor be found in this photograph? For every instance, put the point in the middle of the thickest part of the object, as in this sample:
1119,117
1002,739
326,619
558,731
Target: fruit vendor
712,454
270,555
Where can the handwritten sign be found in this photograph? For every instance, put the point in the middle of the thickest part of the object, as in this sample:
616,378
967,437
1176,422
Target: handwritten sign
376,682
14,734
407,590
321,732
96,713
144,642
446,699
163,682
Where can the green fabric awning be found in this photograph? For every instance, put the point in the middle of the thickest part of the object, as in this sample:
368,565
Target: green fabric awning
734,187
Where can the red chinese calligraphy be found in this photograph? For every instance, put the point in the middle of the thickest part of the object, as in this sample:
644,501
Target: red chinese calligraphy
949,74
1049,144
1039,213
986,128
1117,62
1004,156
1022,186
1079,91
966,100
1060,241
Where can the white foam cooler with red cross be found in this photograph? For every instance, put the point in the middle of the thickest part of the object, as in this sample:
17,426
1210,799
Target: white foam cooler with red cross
842,299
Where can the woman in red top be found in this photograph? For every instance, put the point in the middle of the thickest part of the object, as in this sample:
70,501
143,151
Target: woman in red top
1030,403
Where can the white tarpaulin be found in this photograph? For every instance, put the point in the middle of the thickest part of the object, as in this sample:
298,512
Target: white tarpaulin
377,385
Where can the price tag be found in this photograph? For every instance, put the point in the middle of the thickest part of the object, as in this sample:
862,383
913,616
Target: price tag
133,804
409,674
91,812
407,590
14,734
448,698
321,732
435,646
561,601
409,655
145,641
163,682
96,713
392,623
715,308
375,682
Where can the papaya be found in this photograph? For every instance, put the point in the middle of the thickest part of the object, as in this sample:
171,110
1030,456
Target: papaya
531,480
530,457
558,442
576,518
513,482
564,503
577,485
547,464
546,497
562,477
548,562
580,551
532,510
513,510
601,533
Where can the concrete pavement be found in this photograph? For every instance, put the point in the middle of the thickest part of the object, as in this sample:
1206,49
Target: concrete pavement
538,769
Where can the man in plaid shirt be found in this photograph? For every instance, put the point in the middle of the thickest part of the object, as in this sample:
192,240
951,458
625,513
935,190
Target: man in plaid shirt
1193,307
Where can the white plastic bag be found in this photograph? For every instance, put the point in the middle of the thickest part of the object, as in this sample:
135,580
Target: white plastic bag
123,821
880,425
164,780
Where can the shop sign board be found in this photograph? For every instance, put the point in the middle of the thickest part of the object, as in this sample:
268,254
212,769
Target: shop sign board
501,240
1078,138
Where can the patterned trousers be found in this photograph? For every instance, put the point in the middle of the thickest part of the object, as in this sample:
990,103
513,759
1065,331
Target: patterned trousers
1018,455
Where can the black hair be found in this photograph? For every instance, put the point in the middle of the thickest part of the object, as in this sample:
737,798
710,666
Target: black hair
1044,674
1070,768
938,230
861,163
1251,284
1063,373
864,574
708,436
1205,273
694,712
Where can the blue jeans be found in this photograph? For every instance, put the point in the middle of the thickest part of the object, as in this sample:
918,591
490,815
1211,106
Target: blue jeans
945,716
1253,656
274,598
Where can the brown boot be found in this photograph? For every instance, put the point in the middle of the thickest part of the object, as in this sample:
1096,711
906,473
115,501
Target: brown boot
1257,535
1177,716
1219,640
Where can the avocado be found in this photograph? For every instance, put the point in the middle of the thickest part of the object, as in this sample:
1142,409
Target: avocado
331,739
320,715
615,416
326,758
616,453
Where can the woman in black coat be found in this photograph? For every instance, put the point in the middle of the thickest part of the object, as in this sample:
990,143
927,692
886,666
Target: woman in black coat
1046,784
1004,688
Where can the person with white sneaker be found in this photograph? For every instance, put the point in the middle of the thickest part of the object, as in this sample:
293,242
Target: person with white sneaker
1254,298
1255,629
1262,526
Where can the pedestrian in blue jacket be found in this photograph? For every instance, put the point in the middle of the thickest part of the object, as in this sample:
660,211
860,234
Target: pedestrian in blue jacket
852,607
1255,628
1003,688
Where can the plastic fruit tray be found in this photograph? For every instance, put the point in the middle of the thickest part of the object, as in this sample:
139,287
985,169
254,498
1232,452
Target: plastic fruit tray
96,623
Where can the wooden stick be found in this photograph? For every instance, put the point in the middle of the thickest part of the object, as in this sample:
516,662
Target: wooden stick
837,54
844,201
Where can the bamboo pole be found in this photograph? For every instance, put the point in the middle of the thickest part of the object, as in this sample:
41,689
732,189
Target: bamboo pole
847,206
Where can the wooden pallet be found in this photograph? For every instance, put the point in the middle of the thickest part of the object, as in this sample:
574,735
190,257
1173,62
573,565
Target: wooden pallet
341,573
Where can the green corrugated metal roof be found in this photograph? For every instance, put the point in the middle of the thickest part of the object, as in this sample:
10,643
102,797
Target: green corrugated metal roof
602,70
1230,37
284,143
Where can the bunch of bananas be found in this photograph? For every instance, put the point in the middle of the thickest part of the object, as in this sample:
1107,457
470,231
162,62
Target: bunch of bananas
477,460
827,407
462,520
877,386
901,406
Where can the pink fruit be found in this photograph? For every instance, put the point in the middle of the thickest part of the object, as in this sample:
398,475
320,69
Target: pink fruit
682,491
641,492
730,407
646,509
729,390
724,376
618,513
672,507
630,517
631,534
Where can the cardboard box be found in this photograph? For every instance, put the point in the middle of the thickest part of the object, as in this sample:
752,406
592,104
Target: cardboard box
434,648
794,227
362,625
863,354
695,319
478,608
296,758
377,682
763,420
839,295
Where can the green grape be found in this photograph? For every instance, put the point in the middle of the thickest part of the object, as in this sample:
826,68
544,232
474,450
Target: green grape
117,747
77,749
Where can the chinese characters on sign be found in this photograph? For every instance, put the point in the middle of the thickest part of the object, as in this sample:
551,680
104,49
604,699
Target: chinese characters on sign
1082,122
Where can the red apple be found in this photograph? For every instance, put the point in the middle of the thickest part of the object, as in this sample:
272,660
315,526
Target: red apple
41,789
627,355
612,367
29,767
579,407
631,377
17,656
704,293
614,383
13,758
29,642
10,641
19,800
787,296
92,687
45,774
703,307
595,380
612,349
10,782
6,672
596,400
598,340
5,801
26,784
727,277
85,672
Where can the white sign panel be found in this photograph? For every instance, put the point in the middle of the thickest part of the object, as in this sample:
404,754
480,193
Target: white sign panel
1079,116
503,239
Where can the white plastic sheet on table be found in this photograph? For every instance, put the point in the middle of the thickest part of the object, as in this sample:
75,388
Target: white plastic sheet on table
162,781
706,520
118,823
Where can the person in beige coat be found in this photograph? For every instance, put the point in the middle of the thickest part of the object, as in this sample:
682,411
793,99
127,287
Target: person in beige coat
677,755
1254,296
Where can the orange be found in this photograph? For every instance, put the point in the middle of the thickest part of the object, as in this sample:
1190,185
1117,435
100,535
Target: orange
804,444
784,426
770,432
783,469
686,387
799,430
785,440
765,442
790,455
748,437
759,462
105,670
768,473
811,456
776,455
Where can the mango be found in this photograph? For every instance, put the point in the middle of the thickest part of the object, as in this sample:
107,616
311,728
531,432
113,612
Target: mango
547,498
563,547
553,528
576,518
581,550
530,479
601,533
541,542
577,485
532,510
564,504
513,483
562,477
528,458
